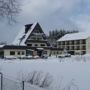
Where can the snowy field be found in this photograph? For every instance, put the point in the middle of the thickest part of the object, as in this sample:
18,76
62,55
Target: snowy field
72,71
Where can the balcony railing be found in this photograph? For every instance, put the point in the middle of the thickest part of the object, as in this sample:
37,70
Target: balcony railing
72,42
39,34
63,43
83,41
77,48
67,48
72,48
67,42
77,42
83,47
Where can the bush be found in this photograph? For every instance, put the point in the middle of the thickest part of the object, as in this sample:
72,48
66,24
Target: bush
40,79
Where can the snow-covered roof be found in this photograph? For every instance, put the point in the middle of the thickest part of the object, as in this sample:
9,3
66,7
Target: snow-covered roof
23,35
75,36
40,48
2,46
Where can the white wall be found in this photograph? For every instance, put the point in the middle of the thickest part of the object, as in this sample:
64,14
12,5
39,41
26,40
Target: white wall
7,52
88,45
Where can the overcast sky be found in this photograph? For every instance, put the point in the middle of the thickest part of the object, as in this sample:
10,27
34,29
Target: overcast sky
51,14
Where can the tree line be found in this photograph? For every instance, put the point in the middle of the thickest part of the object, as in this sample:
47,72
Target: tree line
56,34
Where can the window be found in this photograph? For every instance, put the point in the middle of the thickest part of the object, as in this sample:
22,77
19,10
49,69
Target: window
36,44
1,54
33,38
19,53
12,53
83,41
83,47
59,43
42,44
63,43
29,44
67,47
72,42
39,38
83,52
72,47
78,42
67,42
78,48
54,53
22,52
45,52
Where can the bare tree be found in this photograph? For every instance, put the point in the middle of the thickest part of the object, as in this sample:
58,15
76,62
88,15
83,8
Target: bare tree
9,9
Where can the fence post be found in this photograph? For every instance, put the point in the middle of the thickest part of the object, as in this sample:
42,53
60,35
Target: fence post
22,85
1,81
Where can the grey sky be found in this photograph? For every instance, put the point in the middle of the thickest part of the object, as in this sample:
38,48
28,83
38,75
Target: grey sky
51,14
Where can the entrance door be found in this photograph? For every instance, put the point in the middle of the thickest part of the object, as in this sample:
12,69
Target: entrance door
40,52
29,52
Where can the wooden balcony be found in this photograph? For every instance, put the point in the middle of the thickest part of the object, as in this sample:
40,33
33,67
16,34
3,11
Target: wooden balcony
39,41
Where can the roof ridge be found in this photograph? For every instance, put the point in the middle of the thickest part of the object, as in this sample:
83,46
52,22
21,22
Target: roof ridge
74,36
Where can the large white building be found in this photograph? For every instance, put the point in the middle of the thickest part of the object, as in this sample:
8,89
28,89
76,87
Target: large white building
31,40
75,43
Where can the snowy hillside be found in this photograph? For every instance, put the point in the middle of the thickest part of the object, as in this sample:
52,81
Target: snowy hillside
74,71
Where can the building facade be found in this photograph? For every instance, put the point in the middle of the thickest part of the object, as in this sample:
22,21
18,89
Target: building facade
34,38
76,43
13,51
31,40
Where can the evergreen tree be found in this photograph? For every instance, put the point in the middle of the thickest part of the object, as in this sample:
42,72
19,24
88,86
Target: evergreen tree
54,35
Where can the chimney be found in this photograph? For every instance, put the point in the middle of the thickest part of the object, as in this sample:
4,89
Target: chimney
27,27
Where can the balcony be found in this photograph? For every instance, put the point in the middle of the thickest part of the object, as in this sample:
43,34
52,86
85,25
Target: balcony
77,48
72,48
72,42
77,42
59,43
67,48
67,43
83,52
36,41
63,43
38,34
83,48
36,38
83,41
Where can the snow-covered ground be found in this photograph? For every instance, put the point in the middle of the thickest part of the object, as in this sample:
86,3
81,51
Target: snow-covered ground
74,71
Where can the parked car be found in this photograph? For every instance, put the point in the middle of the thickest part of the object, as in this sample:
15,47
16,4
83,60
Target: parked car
68,55
64,55
44,56
29,57
36,57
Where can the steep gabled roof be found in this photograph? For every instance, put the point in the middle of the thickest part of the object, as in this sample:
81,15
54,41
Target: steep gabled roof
75,36
22,36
